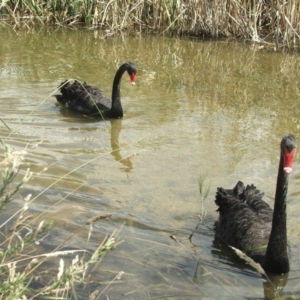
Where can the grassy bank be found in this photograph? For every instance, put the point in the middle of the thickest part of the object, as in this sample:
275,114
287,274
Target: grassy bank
268,22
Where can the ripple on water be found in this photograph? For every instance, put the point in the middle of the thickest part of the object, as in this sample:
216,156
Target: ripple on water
221,111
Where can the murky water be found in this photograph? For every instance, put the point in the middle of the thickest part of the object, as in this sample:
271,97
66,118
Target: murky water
213,108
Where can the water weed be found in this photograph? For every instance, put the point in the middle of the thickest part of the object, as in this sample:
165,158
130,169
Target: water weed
204,189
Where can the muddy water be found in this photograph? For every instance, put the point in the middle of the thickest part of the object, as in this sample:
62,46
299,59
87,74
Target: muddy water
213,108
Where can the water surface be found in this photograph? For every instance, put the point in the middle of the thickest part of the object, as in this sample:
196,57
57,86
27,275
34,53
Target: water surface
214,108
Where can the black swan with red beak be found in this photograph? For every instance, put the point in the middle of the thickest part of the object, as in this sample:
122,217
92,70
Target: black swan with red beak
248,223
89,100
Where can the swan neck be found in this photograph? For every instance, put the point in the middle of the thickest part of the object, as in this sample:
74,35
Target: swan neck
276,259
116,107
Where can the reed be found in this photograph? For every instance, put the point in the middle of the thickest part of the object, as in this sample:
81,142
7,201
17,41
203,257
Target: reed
20,264
267,22
204,189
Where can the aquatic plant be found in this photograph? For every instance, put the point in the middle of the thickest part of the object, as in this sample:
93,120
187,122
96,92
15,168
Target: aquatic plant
21,271
272,23
204,189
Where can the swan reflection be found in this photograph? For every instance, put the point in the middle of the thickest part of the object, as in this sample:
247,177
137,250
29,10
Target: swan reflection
116,126
228,261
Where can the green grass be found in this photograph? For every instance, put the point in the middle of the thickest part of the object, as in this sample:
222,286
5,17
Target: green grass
204,189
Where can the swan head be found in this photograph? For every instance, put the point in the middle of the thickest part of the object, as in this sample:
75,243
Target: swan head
288,149
132,70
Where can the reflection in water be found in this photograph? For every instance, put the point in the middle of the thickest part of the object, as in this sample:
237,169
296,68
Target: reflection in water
116,126
273,285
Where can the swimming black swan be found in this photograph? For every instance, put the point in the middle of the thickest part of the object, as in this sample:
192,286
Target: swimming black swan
87,99
248,223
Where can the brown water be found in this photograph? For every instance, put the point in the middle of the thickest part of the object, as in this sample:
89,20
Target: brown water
212,108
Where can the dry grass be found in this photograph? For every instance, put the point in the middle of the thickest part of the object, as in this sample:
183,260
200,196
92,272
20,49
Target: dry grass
21,265
268,22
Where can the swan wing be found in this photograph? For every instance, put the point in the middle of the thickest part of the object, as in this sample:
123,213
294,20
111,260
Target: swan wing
244,218
83,98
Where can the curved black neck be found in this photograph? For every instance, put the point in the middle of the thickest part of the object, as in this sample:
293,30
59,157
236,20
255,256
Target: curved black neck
116,107
276,258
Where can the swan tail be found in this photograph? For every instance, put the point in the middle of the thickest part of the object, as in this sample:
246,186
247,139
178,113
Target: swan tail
226,196
253,197
249,195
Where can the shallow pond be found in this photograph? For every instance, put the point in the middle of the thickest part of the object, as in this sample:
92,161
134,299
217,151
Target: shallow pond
213,108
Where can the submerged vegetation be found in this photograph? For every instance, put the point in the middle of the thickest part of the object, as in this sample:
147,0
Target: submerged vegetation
267,22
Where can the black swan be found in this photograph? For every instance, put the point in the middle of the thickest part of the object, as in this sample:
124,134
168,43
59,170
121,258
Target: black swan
89,100
248,223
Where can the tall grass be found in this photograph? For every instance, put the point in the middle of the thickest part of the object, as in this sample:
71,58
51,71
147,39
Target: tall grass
204,189
21,265
267,22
